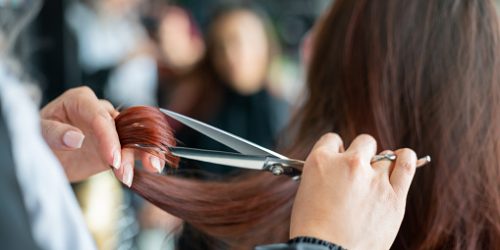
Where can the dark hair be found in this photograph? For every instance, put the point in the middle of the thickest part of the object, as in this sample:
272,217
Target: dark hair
418,74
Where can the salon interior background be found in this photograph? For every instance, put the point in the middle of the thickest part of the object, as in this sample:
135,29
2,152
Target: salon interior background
49,53
48,47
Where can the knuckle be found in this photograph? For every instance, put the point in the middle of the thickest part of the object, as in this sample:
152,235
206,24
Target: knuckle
408,152
106,103
368,138
332,137
407,167
354,161
319,158
85,89
321,154
409,158
81,91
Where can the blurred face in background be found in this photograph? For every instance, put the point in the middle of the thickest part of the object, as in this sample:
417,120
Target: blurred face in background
180,40
241,52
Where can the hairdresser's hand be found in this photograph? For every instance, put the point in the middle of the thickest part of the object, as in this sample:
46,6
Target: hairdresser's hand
344,199
81,131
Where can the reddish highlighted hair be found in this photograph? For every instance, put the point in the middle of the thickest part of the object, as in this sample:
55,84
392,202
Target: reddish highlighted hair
236,213
146,129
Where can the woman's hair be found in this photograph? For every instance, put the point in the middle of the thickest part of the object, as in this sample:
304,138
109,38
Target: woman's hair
418,74
242,211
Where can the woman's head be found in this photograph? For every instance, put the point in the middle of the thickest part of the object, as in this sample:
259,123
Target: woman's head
240,48
418,74
180,42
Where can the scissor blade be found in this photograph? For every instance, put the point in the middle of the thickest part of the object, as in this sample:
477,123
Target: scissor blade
237,143
221,158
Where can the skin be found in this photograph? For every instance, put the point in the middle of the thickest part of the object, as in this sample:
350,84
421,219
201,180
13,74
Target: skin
241,51
79,113
344,199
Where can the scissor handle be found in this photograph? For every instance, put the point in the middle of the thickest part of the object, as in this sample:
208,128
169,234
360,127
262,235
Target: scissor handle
293,168
287,167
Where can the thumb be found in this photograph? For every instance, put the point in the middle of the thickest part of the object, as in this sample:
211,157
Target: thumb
61,136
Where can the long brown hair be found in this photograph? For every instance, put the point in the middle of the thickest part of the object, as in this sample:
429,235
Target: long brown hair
418,74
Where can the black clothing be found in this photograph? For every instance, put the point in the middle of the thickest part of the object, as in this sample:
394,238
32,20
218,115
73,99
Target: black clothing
258,118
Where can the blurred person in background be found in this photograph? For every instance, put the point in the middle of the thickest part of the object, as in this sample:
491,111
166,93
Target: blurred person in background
179,48
169,55
108,32
229,85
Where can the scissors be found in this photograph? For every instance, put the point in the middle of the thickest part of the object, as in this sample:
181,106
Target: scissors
250,156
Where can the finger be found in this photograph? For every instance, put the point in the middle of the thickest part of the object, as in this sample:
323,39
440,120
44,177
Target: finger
109,108
330,141
404,170
84,106
126,172
364,146
383,166
61,136
152,163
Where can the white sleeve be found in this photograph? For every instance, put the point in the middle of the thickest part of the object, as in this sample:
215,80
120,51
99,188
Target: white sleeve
56,220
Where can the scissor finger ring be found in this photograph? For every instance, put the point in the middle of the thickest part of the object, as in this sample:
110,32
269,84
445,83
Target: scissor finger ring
381,157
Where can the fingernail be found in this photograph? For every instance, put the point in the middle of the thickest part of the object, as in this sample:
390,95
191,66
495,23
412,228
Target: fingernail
127,174
117,159
73,139
156,163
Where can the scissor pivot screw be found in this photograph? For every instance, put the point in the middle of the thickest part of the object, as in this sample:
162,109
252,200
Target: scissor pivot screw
277,170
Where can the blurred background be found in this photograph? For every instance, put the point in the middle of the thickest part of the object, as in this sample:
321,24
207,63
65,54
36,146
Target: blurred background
238,65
